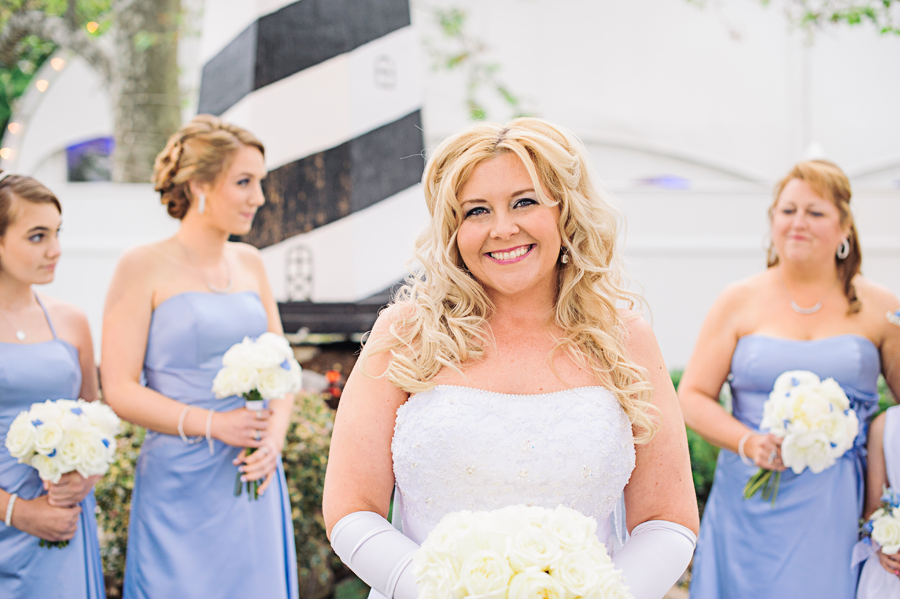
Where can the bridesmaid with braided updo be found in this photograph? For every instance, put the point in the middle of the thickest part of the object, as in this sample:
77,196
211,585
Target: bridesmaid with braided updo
172,310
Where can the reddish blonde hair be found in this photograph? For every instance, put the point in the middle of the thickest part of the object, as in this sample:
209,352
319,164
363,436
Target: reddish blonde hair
829,182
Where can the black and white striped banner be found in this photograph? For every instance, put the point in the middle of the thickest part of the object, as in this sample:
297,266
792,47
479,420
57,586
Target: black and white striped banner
332,88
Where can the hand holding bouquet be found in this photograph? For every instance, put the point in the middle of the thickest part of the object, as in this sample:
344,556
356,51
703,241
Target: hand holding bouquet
814,420
883,526
258,371
516,552
57,437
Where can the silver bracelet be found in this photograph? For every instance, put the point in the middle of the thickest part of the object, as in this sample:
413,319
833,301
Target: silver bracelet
9,508
209,438
741,444
184,437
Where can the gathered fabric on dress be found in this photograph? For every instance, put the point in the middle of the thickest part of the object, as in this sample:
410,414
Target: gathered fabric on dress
29,374
189,535
875,582
801,547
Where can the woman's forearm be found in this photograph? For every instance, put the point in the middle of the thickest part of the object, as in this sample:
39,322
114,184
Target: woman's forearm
280,421
711,421
150,409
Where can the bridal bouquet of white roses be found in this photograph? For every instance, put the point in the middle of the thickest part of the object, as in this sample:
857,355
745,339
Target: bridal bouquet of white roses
61,436
883,526
257,370
516,552
814,419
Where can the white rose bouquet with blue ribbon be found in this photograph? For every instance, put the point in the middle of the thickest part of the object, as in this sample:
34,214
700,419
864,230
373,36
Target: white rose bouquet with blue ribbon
815,422
60,436
258,370
516,552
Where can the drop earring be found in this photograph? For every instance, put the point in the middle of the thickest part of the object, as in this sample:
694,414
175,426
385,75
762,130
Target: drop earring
201,203
843,250
565,256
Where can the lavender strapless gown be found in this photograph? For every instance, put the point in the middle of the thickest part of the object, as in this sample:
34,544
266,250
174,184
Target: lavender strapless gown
801,547
31,373
189,536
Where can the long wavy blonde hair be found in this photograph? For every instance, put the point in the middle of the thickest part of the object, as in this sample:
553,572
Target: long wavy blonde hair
444,311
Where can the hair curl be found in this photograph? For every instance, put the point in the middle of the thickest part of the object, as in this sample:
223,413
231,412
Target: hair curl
829,182
200,151
445,311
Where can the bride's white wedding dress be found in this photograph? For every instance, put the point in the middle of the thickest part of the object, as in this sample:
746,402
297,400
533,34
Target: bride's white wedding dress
458,448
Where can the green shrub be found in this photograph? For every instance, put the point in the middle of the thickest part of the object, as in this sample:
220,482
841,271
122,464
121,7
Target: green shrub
305,457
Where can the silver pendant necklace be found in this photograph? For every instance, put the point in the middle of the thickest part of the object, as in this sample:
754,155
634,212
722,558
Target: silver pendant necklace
799,309
20,334
228,286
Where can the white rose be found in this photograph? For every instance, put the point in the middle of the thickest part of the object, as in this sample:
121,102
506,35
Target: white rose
532,548
776,414
572,529
277,342
808,408
95,456
833,392
436,578
578,573
807,449
49,435
533,583
262,356
612,585
841,430
235,380
46,411
21,437
48,468
275,383
71,450
886,532
237,354
296,376
792,378
486,574
102,416
456,536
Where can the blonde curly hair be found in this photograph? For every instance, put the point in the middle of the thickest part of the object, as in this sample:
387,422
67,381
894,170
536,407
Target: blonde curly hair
201,150
443,311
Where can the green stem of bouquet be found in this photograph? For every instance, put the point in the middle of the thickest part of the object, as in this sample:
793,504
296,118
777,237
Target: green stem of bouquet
48,544
766,482
252,485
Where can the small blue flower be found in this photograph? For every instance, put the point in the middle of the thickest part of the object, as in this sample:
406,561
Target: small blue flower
794,381
833,445
36,422
867,527
51,454
77,411
286,365
106,443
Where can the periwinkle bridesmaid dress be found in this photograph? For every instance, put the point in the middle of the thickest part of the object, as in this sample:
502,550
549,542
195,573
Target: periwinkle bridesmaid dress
801,547
189,536
32,373
875,582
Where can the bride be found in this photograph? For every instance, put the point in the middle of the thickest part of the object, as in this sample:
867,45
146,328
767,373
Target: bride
507,374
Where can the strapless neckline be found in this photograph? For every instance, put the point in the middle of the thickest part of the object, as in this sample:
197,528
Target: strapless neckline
818,339
575,390
184,293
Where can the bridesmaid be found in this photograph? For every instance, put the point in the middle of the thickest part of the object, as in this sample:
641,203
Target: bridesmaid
810,310
880,575
172,310
45,353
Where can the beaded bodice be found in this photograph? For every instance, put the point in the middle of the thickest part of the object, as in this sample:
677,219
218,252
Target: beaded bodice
459,448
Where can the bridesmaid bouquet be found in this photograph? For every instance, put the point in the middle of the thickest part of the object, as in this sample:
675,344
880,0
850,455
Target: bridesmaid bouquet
814,420
258,370
61,436
516,552
883,526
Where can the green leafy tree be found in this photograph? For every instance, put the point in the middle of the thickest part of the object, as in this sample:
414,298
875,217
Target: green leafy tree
811,15
132,44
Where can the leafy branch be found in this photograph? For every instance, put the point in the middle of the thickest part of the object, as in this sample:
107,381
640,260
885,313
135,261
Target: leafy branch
459,50
812,15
